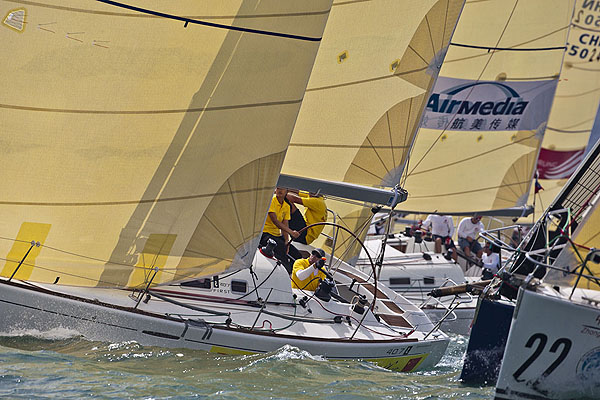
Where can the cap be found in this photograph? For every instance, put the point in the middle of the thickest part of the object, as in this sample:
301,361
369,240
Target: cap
318,253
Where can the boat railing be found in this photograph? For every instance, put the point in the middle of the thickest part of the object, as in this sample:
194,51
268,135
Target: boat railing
457,299
578,272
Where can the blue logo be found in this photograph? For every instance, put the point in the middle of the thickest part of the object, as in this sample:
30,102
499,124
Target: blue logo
444,103
588,371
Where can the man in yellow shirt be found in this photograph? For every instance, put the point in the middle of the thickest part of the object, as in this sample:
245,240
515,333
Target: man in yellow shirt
276,227
316,211
305,274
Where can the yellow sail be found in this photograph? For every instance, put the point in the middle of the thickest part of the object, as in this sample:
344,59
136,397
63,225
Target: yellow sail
586,236
146,137
366,94
485,118
581,197
575,106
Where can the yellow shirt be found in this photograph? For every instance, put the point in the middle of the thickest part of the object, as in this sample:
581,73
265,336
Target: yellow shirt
312,282
316,211
283,214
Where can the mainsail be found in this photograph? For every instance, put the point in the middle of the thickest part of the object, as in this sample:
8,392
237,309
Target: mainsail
145,137
485,118
366,94
575,105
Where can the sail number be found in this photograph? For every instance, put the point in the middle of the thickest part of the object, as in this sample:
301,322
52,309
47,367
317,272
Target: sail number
584,53
540,340
589,19
402,352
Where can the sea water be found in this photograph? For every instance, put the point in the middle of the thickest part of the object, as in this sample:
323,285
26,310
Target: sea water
62,364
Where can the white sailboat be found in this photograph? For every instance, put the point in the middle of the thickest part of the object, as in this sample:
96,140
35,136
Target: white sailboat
574,106
552,349
144,147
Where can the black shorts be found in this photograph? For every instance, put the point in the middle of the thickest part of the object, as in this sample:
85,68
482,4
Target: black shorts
298,223
449,245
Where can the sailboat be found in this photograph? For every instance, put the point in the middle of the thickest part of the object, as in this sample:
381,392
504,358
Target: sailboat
145,144
552,347
491,326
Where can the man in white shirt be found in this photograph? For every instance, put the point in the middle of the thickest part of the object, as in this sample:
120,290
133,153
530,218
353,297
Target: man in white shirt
468,230
491,261
442,230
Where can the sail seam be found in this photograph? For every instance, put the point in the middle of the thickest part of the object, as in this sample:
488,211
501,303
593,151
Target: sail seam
582,93
471,191
472,157
568,130
346,146
395,75
128,202
470,46
140,112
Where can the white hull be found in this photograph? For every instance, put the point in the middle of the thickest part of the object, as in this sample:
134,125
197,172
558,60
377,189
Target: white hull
112,315
553,348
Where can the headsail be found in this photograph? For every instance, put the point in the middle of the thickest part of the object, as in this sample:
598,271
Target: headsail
484,122
145,137
575,106
366,93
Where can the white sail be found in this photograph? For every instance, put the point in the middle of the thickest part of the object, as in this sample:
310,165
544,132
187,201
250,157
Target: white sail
485,119
146,136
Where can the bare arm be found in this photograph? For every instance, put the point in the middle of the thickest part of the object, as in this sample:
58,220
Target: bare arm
294,198
283,225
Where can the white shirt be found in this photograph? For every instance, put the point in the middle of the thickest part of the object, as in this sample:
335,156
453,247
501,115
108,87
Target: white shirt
491,262
468,229
441,225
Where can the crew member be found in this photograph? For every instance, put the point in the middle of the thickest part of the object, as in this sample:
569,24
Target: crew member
306,274
442,230
276,227
468,231
316,211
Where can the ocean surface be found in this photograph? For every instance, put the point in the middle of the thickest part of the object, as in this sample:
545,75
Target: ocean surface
61,364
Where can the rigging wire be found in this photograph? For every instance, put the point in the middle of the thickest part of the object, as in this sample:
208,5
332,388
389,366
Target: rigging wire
209,24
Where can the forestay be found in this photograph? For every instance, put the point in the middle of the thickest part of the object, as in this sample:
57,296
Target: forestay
485,118
366,93
145,137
